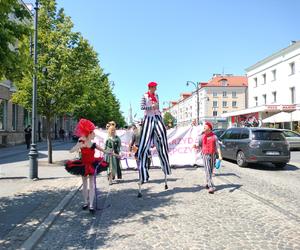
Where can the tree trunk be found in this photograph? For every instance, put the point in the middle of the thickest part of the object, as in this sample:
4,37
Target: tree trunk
49,141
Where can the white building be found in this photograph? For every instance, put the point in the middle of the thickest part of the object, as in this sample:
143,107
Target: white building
276,79
273,86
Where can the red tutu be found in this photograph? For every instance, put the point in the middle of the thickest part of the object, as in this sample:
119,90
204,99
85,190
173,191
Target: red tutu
77,167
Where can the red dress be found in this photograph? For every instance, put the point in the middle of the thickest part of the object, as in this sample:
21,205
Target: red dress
87,164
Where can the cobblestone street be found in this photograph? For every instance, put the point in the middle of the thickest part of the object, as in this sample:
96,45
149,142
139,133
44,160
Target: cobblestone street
240,215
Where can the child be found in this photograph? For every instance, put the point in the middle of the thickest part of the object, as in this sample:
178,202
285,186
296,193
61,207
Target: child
113,143
86,165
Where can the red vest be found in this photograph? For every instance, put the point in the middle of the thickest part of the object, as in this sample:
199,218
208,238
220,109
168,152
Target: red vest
210,146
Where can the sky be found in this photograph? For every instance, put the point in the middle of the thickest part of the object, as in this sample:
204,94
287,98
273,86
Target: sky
175,41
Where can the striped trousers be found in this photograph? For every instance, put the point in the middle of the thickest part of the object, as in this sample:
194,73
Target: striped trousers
153,129
209,163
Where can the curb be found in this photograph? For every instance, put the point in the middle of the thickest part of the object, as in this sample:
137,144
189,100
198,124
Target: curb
31,242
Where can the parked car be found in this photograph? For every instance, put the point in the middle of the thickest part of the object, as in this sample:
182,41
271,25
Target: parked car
219,131
255,145
292,138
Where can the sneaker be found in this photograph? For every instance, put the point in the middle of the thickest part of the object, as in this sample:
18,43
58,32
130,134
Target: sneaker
211,190
84,207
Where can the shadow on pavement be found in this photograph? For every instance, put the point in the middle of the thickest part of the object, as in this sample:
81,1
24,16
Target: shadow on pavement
232,187
19,157
271,167
228,174
21,214
13,178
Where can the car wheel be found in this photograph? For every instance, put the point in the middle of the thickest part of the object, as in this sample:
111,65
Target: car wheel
241,159
280,165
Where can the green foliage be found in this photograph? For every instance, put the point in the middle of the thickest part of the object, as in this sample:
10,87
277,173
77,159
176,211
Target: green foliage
169,120
74,82
14,31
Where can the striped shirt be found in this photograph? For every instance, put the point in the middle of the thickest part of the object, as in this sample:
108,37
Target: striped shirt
146,105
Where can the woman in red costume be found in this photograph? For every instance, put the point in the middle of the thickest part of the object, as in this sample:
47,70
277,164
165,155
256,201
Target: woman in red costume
87,163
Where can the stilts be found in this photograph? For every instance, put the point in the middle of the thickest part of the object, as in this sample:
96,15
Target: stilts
166,183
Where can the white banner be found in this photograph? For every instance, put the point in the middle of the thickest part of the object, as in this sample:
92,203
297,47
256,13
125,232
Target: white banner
181,141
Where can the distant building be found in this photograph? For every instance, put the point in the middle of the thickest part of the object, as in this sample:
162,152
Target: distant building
221,94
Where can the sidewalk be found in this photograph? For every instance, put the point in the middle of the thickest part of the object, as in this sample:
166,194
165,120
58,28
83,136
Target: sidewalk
13,150
26,205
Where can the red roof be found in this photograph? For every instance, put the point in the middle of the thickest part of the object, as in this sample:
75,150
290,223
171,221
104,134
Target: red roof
231,81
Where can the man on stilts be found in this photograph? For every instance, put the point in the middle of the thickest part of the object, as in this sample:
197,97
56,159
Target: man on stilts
153,129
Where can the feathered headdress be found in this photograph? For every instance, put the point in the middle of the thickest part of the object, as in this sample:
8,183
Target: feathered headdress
84,127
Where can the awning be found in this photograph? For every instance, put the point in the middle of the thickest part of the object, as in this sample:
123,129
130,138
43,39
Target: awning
296,115
280,117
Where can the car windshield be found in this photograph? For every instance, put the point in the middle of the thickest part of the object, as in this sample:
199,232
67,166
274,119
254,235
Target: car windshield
265,135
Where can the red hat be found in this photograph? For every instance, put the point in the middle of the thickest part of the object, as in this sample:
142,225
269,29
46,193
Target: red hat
84,127
209,125
152,84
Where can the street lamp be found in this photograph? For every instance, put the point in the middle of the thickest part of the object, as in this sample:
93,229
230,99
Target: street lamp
33,153
197,92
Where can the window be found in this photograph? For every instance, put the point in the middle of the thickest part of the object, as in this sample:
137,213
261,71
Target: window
293,98
265,135
235,134
274,96
14,117
245,134
256,101
27,118
264,79
224,82
292,68
3,113
264,98
215,104
224,94
224,104
215,113
226,135
215,94
288,133
224,112
234,104
274,75
234,94
255,82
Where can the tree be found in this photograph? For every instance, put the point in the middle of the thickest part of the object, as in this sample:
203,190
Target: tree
74,82
14,29
98,103
169,120
70,62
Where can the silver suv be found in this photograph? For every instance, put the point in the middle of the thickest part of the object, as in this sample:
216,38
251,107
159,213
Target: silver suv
254,145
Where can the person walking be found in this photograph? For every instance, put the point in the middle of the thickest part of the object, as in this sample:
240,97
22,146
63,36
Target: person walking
85,166
209,146
153,129
27,132
113,144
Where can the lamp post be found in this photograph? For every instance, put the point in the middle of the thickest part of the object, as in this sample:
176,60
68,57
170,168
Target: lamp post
33,153
197,92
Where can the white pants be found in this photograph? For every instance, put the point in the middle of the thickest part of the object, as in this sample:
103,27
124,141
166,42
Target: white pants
88,190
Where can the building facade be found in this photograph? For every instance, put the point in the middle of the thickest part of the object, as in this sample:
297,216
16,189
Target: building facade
274,86
221,94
